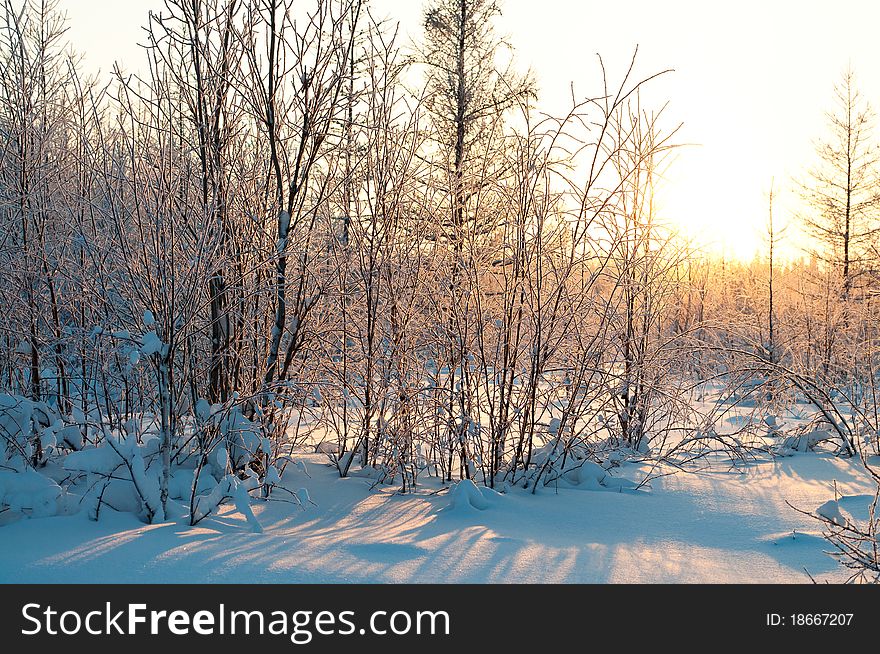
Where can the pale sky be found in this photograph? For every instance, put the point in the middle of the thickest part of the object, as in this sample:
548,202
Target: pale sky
752,81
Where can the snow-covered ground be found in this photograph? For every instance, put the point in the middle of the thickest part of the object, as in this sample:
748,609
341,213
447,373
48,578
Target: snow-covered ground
713,526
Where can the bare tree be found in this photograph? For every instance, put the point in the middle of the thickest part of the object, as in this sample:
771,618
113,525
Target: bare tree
468,96
842,189
38,92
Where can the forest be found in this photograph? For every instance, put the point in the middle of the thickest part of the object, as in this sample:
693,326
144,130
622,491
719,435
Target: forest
299,252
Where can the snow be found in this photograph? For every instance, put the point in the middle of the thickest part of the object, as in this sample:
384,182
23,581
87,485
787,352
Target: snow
228,487
97,460
242,436
203,409
303,496
15,415
466,496
243,504
29,491
70,435
220,457
830,510
151,344
713,525
807,441
327,447
147,485
586,473
181,481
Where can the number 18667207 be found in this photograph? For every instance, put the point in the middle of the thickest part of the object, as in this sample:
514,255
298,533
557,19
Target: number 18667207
810,620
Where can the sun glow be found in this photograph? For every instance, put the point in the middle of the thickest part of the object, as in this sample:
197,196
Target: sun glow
749,113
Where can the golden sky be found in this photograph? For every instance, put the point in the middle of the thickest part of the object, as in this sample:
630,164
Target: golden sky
752,81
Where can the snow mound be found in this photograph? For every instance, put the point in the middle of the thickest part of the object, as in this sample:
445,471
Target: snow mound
96,460
122,473
586,474
857,506
180,485
831,512
29,491
465,496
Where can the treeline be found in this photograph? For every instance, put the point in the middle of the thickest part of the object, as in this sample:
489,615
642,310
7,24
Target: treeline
271,240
